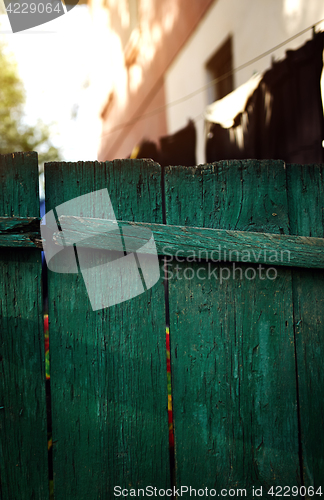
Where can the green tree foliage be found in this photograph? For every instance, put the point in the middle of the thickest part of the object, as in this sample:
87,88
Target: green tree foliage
15,134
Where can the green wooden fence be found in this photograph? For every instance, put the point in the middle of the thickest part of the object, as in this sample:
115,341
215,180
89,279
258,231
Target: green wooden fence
247,344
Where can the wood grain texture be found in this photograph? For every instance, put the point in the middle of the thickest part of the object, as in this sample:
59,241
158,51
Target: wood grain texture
20,232
180,241
246,410
19,224
23,431
195,242
108,367
232,344
306,211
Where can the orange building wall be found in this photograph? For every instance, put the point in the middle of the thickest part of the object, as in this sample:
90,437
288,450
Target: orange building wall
165,27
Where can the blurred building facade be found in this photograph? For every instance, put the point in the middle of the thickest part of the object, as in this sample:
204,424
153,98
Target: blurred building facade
161,51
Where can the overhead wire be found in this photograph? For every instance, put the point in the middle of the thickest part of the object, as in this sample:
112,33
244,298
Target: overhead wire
211,83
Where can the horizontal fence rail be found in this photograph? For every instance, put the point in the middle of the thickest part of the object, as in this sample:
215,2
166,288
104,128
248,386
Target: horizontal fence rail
180,241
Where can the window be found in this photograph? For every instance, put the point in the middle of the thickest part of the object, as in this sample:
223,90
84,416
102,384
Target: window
220,64
133,14
130,22
124,18
131,40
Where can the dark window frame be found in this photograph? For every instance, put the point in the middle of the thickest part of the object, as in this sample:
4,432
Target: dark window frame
220,66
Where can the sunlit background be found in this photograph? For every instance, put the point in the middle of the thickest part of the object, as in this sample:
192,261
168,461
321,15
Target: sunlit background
54,63
91,72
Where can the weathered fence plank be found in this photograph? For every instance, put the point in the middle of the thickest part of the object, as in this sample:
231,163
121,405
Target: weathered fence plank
306,205
200,243
23,427
232,344
180,241
108,367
